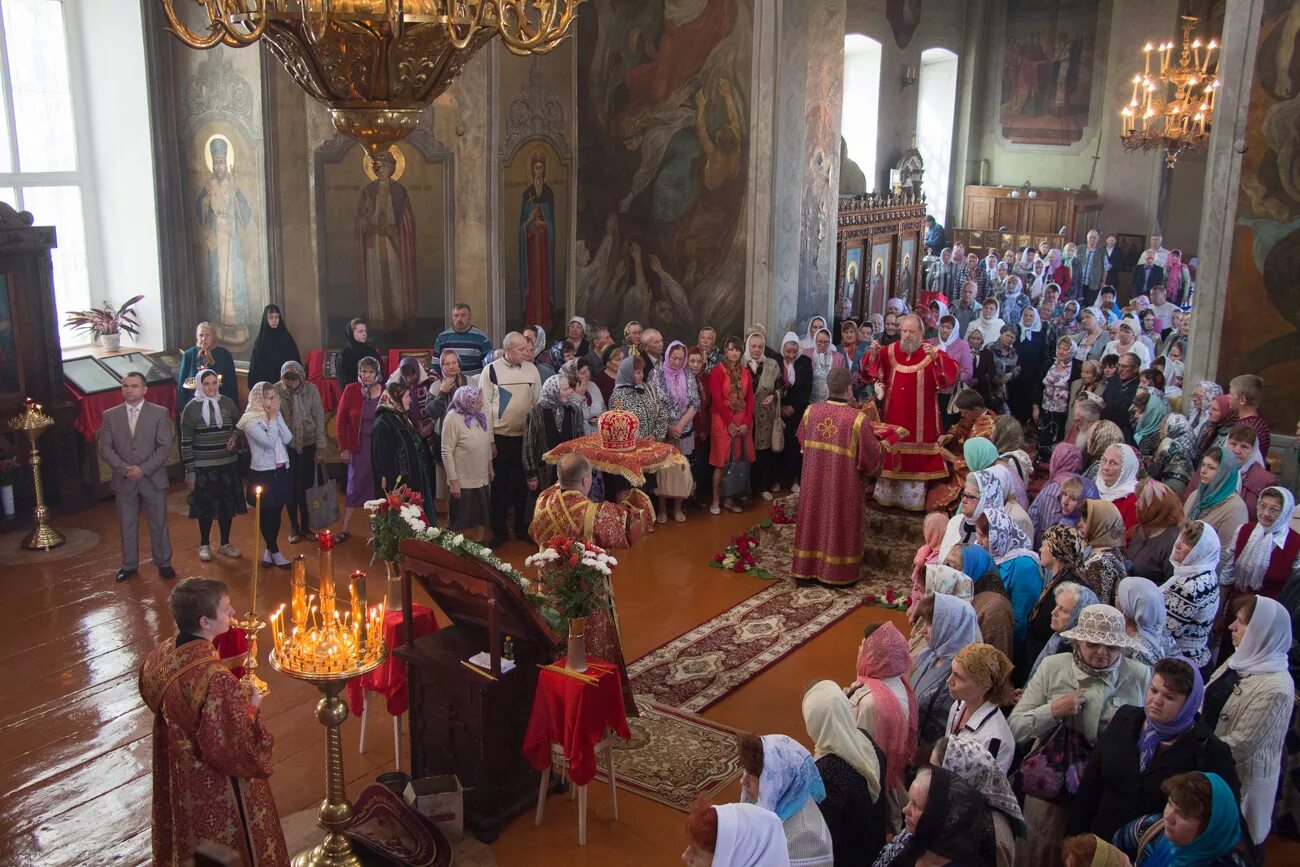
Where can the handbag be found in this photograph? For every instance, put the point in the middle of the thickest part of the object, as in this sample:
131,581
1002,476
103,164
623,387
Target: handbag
322,500
778,433
735,476
952,401
1053,770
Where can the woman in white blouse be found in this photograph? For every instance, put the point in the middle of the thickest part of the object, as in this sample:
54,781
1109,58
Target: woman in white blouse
268,443
980,685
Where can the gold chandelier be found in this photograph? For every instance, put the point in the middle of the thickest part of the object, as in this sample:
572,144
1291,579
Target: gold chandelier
1174,109
376,64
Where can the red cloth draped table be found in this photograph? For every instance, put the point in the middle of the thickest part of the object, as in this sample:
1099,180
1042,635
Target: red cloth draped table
329,388
389,679
91,407
576,715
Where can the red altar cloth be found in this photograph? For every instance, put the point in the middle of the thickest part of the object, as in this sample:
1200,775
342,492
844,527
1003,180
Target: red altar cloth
575,715
329,389
91,407
389,679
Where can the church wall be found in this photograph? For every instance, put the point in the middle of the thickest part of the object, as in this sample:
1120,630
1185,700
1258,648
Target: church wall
1260,322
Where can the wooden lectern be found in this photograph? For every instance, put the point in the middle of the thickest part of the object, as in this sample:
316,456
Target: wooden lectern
465,722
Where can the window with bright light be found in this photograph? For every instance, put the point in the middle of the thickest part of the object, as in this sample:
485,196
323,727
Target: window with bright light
39,167
936,108
861,110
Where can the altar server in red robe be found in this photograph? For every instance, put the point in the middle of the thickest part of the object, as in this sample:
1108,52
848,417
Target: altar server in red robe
911,373
838,443
211,747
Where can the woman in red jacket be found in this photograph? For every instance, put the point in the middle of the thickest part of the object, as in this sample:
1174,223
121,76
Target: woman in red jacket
355,418
732,391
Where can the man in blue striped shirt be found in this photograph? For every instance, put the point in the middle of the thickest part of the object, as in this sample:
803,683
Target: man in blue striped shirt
470,344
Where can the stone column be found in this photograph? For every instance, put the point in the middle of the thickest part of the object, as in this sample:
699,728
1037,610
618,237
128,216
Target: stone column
974,57
1223,179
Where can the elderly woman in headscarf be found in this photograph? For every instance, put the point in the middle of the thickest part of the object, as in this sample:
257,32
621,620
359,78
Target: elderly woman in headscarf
1160,515
1006,361
1060,556
1221,420
1130,330
1144,746
538,350
847,760
1045,511
817,323
210,457
796,372
1215,500
1172,462
467,439
1081,689
983,490
970,760
1151,414
1192,594
1102,529
947,821
1104,434
1143,606
952,625
398,455
1203,395
769,384
1265,555
553,420
734,835
1031,360
884,706
1068,600
586,394
574,344
1248,703
1017,564
824,359
678,393
779,775
1117,482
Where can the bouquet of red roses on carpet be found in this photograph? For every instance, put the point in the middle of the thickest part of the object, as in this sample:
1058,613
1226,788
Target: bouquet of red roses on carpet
397,515
573,574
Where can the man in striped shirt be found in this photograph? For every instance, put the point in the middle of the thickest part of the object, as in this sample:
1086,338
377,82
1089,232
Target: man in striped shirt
470,344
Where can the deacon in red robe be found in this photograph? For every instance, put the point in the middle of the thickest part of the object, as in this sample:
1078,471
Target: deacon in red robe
839,443
911,373
211,748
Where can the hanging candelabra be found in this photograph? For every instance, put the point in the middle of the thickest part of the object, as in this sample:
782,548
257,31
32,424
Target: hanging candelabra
1173,108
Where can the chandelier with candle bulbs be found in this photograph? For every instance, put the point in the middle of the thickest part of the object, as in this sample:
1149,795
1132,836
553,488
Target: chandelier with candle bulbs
1173,109
376,64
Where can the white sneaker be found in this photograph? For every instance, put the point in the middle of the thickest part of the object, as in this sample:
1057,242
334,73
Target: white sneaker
280,560
794,489
228,550
767,495
714,510
205,553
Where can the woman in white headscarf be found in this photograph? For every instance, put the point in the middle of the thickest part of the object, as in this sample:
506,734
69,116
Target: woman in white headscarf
817,323
739,835
1265,555
824,360
1127,341
1192,594
1248,702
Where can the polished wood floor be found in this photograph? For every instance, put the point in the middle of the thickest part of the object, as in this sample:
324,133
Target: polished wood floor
74,734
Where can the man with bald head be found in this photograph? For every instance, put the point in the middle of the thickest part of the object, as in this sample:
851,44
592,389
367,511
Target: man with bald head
564,510
909,375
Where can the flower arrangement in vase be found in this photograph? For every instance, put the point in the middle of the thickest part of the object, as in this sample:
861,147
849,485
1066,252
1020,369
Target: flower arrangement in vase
574,576
106,324
396,516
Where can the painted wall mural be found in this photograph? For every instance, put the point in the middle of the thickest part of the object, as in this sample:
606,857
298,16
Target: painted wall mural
383,240
663,102
224,188
1047,70
1266,242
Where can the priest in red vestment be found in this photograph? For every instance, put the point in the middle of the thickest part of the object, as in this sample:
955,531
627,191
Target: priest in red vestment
839,444
211,747
911,373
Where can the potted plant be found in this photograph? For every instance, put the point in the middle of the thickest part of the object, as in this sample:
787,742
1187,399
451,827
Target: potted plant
107,323
574,576
8,475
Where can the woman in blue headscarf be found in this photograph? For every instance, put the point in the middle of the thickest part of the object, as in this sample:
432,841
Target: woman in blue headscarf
779,775
952,625
1200,827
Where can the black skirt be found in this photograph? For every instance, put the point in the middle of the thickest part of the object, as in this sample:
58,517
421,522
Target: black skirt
218,492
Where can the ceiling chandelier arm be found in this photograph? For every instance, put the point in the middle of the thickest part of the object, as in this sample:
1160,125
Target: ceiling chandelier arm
217,26
553,18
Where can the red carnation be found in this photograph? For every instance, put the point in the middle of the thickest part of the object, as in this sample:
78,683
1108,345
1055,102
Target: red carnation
870,597
889,595
718,558
739,567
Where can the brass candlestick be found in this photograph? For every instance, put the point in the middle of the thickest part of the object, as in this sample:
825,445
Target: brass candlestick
252,624
34,422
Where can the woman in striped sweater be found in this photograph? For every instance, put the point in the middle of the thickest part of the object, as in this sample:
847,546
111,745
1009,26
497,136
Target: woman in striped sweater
210,456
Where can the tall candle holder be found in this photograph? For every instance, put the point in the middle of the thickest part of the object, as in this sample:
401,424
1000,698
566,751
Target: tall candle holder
327,648
34,422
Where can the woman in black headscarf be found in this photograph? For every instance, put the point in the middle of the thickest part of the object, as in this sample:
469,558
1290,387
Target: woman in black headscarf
398,456
272,348
946,821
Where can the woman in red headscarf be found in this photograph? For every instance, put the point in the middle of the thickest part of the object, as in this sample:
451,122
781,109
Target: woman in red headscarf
884,706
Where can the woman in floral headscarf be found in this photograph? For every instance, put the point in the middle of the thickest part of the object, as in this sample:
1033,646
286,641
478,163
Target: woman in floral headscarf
983,490
1017,564
970,760
1203,395
1060,555
467,435
1172,463
1102,528
552,421
678,393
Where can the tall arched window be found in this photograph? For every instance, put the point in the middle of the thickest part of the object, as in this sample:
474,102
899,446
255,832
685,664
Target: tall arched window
861,108
936,107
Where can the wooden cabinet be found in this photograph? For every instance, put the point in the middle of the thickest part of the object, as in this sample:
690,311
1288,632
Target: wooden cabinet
879,250
1054,215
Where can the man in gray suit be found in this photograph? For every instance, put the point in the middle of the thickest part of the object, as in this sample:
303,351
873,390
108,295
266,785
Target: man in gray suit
1089,272
135,441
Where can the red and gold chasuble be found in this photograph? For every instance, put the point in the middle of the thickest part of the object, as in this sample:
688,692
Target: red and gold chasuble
838,445
211,760
609,525
912,383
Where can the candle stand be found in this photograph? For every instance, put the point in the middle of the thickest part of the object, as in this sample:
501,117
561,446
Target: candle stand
327,648
33,421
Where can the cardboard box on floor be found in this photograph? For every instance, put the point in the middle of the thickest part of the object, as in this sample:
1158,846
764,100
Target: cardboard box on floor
441,800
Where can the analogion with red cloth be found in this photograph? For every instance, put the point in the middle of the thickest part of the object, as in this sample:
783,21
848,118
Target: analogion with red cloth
839,442
211,760
575,714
